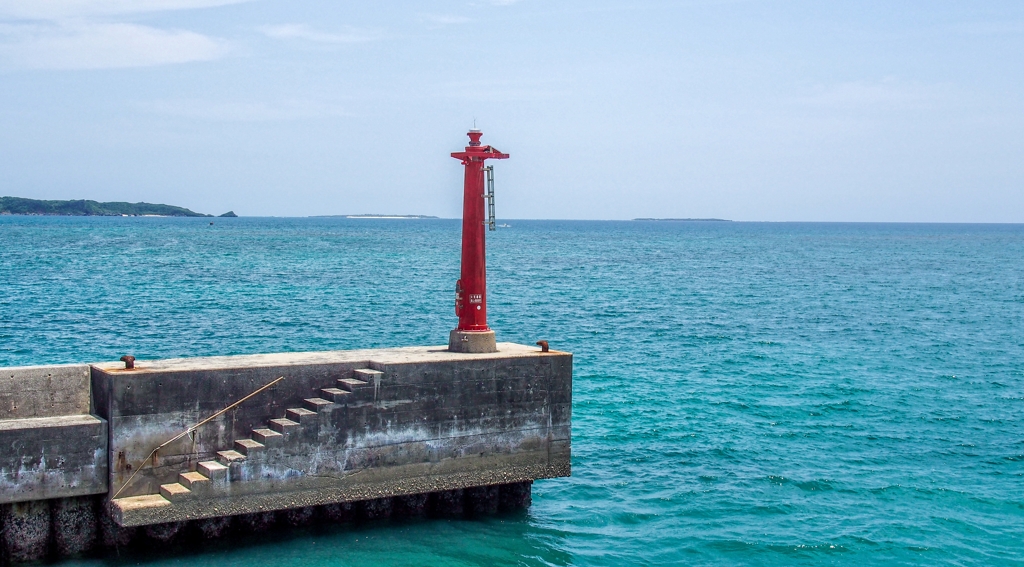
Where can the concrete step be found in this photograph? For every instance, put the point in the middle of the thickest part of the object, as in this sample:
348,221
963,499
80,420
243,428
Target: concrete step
301,415
194,481
367,375
200,480
248,447
336,395
284,425
268,437
214,470
229,456
316,404
144,502
351,384
174,491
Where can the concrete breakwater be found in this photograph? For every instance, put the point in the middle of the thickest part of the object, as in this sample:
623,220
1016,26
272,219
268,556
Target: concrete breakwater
345,434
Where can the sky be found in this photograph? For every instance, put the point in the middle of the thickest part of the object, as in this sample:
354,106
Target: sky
892,111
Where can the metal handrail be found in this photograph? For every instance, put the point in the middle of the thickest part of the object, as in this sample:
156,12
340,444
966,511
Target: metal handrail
192,430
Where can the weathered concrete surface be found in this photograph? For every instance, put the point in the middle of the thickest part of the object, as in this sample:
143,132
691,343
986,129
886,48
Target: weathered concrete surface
52,457
154,508
257,522
338,512
412,506
164,533
297,517
26,531
44,391
50,447
212,528
66,527
449,503
113,536
376,509
515,496
349,426
482,500
75,527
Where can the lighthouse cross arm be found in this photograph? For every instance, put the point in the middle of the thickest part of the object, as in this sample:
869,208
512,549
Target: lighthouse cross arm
481,153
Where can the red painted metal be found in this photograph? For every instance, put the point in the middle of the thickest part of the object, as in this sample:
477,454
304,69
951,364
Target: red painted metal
471,289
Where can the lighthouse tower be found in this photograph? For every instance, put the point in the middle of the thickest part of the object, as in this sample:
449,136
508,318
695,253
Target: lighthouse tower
473,334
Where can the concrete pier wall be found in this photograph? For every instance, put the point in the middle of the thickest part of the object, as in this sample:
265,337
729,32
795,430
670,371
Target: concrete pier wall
44,391
51,446
342,426
346,434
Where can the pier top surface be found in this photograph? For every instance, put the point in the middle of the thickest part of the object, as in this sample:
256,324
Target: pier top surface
415,354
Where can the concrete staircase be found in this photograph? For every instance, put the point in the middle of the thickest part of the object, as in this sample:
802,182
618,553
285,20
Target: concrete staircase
212,478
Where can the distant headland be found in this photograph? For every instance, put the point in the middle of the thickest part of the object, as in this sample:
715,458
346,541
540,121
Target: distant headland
87,208
682,220
377,216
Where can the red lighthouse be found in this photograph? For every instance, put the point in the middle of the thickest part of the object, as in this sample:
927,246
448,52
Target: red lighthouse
473,334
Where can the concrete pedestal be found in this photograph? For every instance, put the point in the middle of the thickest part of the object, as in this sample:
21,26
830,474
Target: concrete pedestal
472,341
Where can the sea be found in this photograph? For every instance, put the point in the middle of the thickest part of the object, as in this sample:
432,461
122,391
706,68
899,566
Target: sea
744,393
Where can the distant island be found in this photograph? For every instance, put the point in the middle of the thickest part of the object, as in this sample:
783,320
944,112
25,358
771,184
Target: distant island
86,208
680,220
377,216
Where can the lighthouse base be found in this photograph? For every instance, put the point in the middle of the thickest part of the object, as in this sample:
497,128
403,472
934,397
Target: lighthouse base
472,341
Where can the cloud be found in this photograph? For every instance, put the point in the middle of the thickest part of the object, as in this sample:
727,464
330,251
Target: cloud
68,9
86,34
87,45
306,33
244,111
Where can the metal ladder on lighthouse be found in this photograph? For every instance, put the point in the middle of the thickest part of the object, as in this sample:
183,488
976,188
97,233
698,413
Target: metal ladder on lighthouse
490,196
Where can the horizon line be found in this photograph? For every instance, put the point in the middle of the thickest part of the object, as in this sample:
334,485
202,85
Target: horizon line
435,218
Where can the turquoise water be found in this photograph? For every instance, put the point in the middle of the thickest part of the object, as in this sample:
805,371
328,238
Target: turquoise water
744,394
